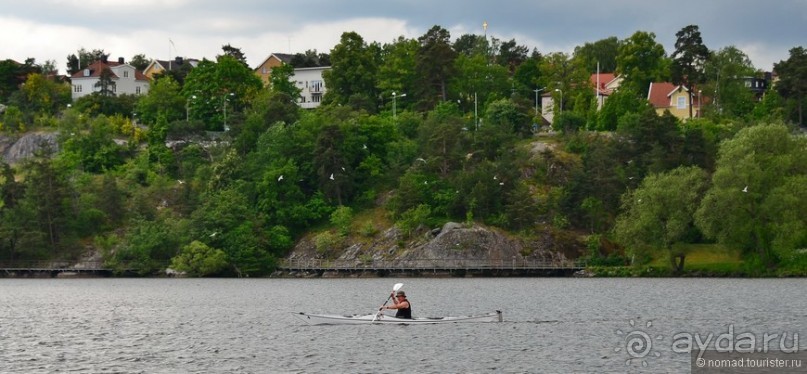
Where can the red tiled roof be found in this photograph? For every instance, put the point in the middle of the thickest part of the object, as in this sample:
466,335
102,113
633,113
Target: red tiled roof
659,94
605,78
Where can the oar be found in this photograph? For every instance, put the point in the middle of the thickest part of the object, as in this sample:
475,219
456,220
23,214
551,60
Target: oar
395,288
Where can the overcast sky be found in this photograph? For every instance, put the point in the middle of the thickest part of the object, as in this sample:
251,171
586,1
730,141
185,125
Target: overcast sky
53,29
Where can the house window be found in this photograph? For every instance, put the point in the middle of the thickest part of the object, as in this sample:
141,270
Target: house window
316,98
316,86
137,90
682,102
77,88
125,74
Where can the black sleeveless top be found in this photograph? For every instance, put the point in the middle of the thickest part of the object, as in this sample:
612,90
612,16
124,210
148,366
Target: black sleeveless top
405,312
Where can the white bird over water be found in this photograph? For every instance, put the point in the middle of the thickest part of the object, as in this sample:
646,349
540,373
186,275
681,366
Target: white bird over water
745,189
280,178
331,176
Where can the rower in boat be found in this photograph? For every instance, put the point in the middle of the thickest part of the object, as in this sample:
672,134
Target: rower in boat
401,305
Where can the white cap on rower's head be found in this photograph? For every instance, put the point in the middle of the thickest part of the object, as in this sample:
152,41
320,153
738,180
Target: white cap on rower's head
400,293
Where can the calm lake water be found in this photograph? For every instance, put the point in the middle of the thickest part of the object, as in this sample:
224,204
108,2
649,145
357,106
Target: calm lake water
552,325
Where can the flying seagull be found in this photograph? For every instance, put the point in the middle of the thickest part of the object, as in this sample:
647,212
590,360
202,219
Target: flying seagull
280,178
745,189
331,176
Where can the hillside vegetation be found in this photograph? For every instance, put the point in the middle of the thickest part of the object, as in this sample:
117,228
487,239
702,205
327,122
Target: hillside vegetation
230,184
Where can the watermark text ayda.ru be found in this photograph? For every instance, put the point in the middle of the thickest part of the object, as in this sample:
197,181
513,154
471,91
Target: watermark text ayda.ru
729,341
643,346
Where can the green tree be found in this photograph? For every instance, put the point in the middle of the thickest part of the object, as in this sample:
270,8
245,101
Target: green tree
396,72
352,77
754,175
47,194
105,84
233,52
602,54
792,84
149,246
641,60
566,75
511,55
688,60
333,168
472,44
84,58
621,102
434,65
659,214
310,59
726,71
92,149
528,77
40,96
139,61
341,218
9,78
163,99
222,89
11,228
281,81
199,260
477,82
268,108
441,139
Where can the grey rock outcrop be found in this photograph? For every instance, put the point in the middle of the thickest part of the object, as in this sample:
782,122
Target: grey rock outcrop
454,241
16,149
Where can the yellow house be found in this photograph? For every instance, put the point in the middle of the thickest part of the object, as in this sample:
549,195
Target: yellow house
665,96
264,70
159,66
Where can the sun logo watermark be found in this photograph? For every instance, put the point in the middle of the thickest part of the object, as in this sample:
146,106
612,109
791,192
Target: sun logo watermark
638,344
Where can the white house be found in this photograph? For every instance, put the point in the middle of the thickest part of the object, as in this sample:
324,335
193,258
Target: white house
310,81
127,79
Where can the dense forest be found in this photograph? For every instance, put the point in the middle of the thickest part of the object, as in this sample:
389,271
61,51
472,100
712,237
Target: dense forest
214,173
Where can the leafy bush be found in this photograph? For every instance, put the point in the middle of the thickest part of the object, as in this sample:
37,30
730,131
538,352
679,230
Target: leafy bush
412,218
325,241
341,218
199,260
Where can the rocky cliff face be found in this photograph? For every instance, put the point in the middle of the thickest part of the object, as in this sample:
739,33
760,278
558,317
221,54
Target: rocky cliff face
15,149
454,241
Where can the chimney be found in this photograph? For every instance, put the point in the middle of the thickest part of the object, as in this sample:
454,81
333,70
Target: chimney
179,60
120,60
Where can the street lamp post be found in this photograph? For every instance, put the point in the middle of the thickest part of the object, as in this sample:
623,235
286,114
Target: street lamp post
537,90
225,99
561,99
394,96
700,103
187,107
